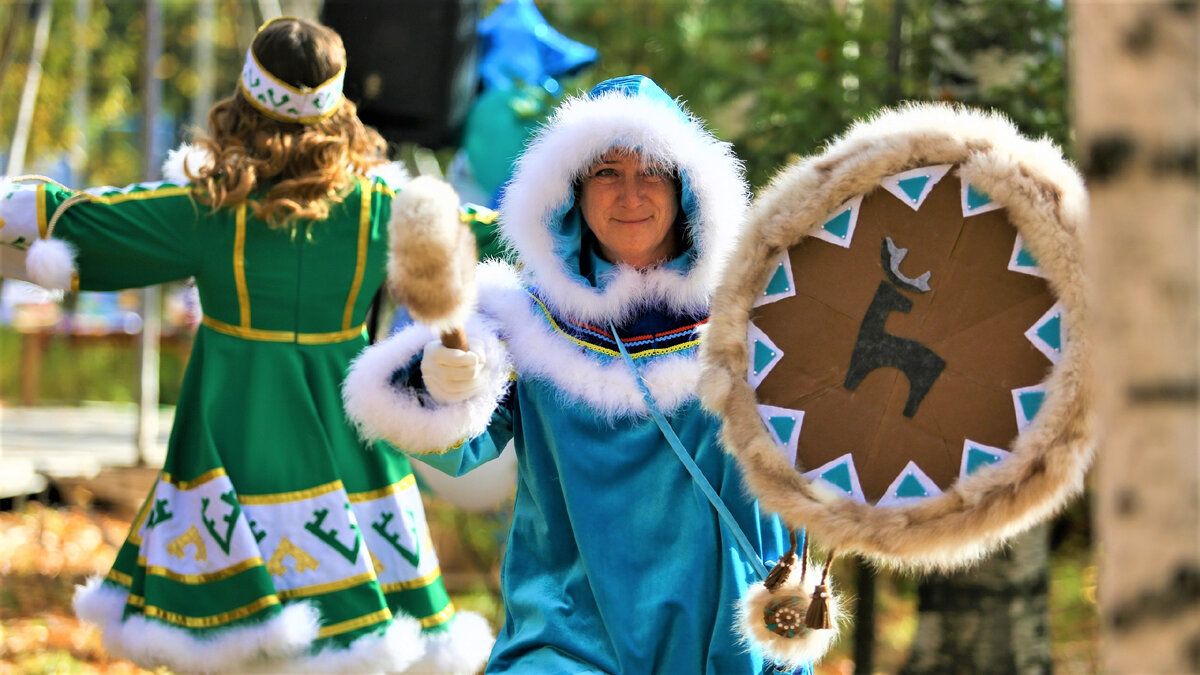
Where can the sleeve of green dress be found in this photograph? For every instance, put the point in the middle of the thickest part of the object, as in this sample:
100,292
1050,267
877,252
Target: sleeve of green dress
139,235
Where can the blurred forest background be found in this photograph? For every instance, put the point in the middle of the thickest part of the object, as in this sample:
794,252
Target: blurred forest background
777,78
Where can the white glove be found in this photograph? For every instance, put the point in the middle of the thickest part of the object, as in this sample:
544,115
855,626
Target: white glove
452,375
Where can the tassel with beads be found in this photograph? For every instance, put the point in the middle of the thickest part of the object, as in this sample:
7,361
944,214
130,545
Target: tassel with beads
818,615
774,613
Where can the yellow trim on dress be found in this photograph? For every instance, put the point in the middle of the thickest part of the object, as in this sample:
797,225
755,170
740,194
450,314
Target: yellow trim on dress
41,210
609,352
203,621
360,261
239,268
443,450
385,189
120,578
354,624
135,538
331,587
439,618
151,193
294,496
261,335
211,474
419,582
234,569
371,495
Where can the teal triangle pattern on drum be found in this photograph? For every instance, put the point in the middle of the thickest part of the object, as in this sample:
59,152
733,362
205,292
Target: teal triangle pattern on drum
911,487
1051,332
783,426
976,198
910,484
1047,333
763,356
781,284
977,456
841,475
839,225
1028,401
976,201
763,353
1023,260
913,187
839,229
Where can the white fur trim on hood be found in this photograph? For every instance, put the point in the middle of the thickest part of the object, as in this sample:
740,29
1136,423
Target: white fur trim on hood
607,385
581,130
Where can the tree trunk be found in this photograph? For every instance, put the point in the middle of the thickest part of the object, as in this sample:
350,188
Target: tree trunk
33,79
1137,100
988,619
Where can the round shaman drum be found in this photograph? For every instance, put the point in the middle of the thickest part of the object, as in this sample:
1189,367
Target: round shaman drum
897,348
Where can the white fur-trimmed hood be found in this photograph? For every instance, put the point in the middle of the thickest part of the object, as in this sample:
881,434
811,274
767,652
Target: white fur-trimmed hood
581,130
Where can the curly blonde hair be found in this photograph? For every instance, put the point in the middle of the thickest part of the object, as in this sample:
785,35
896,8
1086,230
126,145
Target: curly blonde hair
308,167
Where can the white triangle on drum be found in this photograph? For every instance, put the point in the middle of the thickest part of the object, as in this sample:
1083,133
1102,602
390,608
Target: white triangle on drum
973,453
1049,334
839,228
764,355
776,418
910,485
840,475
781,283
1022,259
913,186
1028,401
976,201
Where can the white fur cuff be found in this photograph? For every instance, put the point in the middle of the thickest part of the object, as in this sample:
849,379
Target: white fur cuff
409,418
51,264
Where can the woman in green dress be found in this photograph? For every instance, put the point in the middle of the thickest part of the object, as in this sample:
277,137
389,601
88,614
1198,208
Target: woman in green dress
274,538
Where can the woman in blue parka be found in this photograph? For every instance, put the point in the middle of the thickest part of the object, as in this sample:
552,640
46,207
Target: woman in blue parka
619,212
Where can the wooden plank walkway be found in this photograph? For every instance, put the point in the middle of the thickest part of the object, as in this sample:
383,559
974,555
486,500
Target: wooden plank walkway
71,444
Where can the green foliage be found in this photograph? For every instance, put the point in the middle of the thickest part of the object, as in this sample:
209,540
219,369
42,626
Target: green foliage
779,78
114,39
78,369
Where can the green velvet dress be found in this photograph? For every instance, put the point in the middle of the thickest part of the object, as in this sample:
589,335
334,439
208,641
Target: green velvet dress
274,535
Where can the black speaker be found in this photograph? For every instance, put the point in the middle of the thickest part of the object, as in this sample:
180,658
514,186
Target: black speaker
411,65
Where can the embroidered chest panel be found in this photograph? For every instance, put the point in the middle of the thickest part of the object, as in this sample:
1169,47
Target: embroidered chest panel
651,334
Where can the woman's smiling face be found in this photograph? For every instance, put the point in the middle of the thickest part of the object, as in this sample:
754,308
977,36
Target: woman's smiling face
630,205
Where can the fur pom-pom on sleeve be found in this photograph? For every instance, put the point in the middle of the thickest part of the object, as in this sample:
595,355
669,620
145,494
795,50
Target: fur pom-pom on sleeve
182,160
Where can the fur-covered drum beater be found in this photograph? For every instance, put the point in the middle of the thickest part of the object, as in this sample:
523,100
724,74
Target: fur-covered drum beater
431,260
898,349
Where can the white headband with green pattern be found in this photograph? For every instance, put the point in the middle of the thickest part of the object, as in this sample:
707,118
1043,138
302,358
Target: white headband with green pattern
282,101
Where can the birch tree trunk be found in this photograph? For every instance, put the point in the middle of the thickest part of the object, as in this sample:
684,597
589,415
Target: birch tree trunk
988,619
1137,109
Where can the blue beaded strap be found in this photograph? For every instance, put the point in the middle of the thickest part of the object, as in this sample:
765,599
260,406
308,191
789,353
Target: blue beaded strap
690,464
